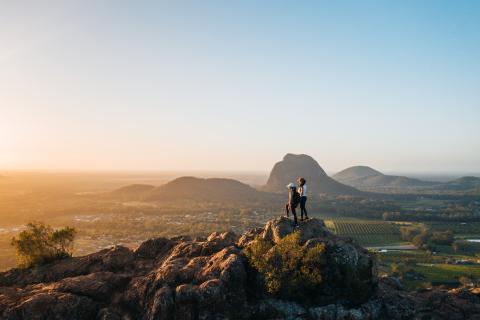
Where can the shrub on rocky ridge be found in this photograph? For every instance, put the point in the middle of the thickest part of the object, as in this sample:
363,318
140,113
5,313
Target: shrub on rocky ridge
290,270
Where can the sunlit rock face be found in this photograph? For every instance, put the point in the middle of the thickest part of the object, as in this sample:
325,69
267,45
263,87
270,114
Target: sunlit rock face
210,278
295,165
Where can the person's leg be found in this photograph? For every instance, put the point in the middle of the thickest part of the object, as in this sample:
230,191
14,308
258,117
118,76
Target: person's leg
286,209
294,215
304,206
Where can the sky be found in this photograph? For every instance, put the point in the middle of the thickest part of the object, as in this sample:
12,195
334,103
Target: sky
235,85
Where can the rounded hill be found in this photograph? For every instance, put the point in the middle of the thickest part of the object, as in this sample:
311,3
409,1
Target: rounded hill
356,172
212,189
368,178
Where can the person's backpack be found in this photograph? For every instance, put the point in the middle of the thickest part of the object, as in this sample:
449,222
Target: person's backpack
295,198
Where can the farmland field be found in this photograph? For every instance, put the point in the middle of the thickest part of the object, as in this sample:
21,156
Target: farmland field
366,232
439,274
432,268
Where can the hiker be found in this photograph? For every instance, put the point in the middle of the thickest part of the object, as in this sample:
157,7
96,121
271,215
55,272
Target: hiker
293,201
303,191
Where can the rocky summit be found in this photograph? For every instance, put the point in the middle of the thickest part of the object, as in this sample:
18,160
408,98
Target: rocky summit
210,278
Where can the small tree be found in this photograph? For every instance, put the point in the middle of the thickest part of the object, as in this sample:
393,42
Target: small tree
40,244
398,269
408,233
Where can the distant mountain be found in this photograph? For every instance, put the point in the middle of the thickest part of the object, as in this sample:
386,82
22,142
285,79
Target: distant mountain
368,179
293,166
365,177
464,184
354,173
133,190
212,189
191,188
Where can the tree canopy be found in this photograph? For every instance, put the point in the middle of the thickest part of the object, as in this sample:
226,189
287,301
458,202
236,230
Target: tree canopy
40,244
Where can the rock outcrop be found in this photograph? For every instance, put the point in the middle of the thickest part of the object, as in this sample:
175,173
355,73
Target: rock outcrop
181,278
294,165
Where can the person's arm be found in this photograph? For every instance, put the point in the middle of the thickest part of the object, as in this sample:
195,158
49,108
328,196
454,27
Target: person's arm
300,190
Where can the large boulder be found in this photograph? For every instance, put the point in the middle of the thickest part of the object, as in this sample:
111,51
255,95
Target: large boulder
197,279
350,271
277,229
154,248
115,259
98,286
40,303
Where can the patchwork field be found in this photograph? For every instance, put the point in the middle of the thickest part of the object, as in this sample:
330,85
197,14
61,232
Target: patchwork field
366,232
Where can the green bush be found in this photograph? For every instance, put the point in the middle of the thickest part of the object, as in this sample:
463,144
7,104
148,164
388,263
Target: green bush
425,238
408,233
290,270
41,244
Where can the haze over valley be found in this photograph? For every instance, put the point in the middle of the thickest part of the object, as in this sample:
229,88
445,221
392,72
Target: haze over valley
127,208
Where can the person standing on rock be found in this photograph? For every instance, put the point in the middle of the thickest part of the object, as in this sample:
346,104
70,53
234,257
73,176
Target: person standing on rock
303,191
293,201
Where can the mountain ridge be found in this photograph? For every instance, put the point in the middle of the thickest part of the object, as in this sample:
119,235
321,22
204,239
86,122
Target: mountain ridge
295,165
367,178
357,176
226,189
466,184
208,189
193,188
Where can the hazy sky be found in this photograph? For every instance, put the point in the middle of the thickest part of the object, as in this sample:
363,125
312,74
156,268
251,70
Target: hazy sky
234,85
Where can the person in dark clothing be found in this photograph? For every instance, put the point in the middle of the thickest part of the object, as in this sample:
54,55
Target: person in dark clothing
303,191
293,201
